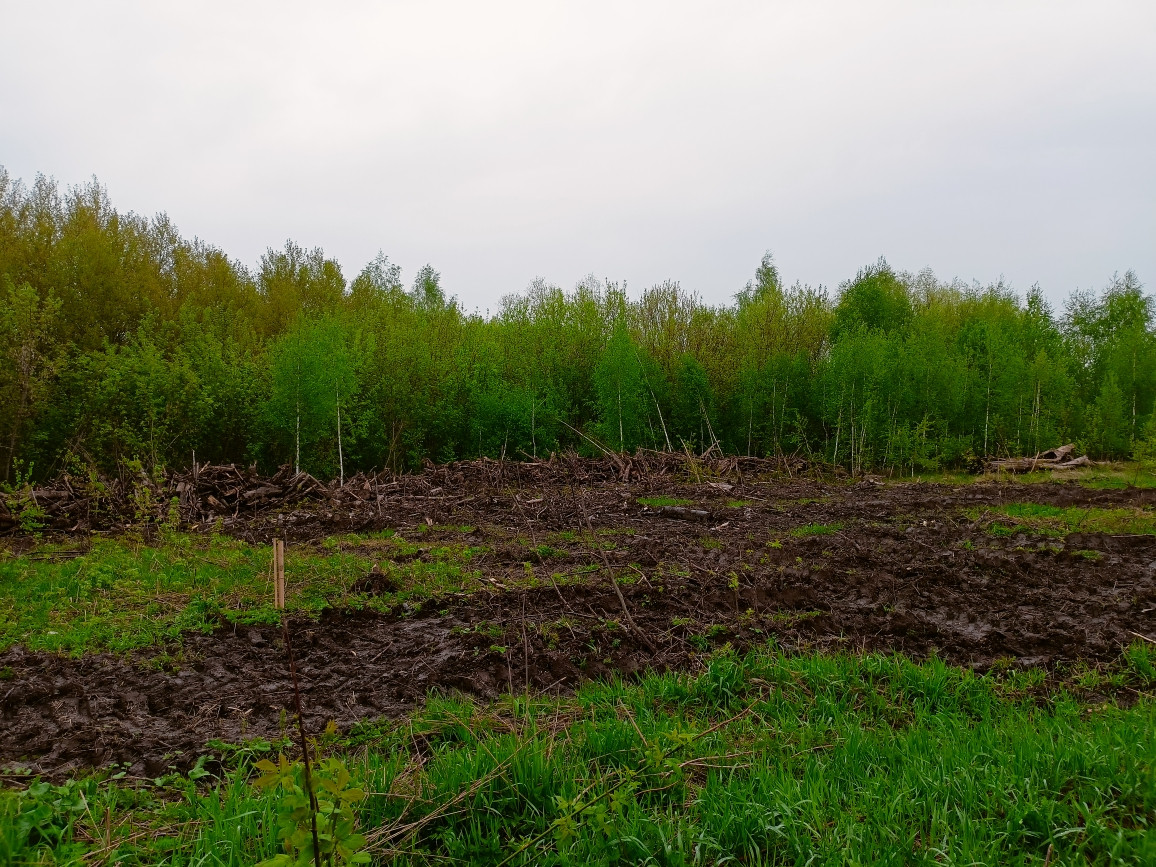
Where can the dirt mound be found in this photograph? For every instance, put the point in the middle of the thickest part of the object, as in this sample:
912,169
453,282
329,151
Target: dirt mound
376,583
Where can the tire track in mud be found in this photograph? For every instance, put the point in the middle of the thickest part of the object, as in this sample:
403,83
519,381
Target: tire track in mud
905,572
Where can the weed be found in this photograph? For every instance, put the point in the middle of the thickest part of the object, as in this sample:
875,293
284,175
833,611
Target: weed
702,641
337,841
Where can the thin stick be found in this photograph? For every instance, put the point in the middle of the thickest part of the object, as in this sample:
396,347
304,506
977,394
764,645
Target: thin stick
614,583
525,648
278,573
304,743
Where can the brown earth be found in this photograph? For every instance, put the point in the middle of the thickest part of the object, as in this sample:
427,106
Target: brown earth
906,571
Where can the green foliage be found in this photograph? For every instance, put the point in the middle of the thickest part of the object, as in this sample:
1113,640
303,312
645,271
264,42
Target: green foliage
314,371
623,411
28,512
815,530
337,839
1144,449
42,815
876,300
692,414
121,340
30,356
761,758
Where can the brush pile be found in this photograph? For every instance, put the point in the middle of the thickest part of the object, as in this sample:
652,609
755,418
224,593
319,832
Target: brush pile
1053,459
209,493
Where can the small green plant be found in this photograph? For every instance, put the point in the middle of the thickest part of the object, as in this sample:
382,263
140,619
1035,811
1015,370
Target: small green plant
1141,660
701,642
29,515
337,839
815,530
144,505
46,814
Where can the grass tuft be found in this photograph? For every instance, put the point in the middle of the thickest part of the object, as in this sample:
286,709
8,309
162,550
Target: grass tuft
815,530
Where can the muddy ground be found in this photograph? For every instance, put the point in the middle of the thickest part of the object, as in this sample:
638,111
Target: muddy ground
907,570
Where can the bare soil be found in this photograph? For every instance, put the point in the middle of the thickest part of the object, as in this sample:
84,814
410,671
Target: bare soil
906,571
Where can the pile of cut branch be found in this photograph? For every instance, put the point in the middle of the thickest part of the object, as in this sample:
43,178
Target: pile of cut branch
1053,459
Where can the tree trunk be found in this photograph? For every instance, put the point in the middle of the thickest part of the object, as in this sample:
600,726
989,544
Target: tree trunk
621,433
340,454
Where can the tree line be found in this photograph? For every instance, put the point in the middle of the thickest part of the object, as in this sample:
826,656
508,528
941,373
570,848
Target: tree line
122,340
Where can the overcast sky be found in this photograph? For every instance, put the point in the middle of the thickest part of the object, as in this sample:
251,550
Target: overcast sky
634,141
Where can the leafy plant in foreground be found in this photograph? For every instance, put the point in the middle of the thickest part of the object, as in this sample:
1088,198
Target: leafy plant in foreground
44,814
337,839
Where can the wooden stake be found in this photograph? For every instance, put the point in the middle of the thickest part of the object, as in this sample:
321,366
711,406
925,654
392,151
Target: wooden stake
278,573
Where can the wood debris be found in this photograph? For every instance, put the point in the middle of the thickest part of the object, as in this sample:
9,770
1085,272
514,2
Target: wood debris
1059,458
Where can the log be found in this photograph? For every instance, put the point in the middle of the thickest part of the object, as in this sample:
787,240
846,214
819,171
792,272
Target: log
1053,459
1057,454
685,513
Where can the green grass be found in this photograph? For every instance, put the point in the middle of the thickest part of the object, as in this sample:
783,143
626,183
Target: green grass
665,501
120,595
1113,476
945,477
765,759
815,530
1059,521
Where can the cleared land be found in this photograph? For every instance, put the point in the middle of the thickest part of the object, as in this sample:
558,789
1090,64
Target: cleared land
484,581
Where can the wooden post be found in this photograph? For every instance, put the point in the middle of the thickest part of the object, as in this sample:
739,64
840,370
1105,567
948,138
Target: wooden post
278,573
